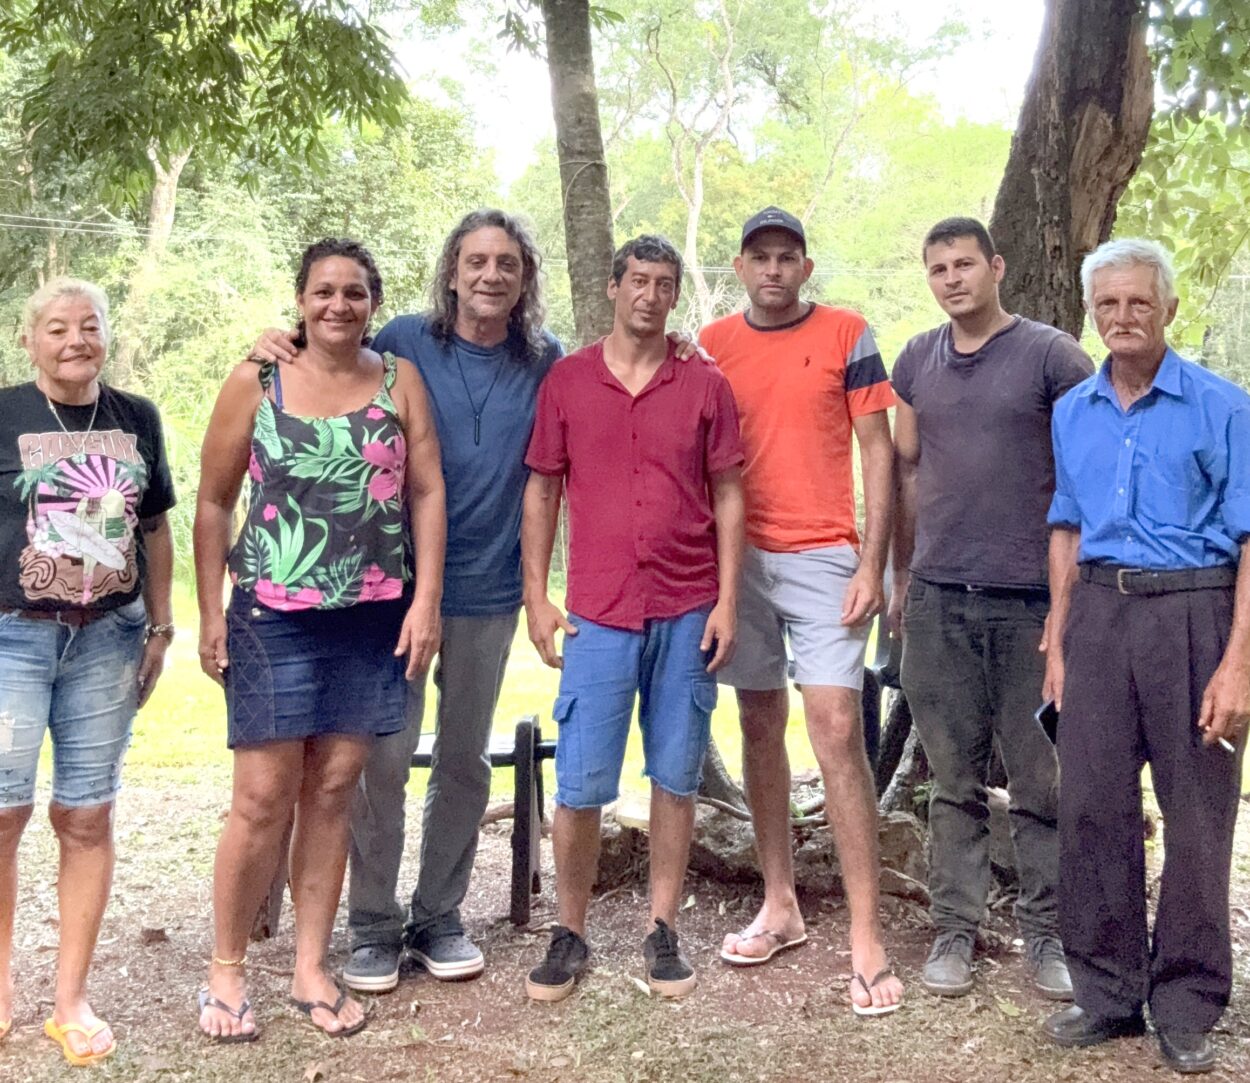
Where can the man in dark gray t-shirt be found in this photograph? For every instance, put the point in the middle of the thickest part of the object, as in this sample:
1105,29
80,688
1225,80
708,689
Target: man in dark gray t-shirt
976,476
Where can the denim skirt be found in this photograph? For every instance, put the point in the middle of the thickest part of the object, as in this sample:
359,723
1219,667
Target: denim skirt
312,672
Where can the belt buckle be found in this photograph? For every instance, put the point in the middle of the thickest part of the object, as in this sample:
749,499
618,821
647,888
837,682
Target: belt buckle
1120,573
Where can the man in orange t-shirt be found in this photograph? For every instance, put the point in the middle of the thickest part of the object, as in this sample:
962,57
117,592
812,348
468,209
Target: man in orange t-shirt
807,376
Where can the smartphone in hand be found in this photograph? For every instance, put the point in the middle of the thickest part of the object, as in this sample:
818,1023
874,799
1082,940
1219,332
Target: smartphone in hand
1047,716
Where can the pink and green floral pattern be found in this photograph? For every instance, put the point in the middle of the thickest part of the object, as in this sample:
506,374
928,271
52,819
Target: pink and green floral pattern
326,525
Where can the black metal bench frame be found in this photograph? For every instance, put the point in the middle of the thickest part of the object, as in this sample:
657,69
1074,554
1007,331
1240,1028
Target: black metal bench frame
525,757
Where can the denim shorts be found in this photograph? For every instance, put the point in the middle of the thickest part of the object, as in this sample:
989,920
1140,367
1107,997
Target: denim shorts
604,668
313,672
80,684
796,596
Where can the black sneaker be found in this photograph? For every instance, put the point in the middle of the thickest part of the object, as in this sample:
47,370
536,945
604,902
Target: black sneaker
554,978
442,947
669,973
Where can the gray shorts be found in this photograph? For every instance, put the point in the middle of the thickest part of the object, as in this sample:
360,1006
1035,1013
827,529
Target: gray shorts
796,596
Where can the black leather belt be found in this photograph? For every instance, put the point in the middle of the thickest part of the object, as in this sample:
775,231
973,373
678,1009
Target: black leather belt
71,618
1145,581
992,590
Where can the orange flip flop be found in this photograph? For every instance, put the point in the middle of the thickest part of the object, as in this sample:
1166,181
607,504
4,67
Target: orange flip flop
60,1035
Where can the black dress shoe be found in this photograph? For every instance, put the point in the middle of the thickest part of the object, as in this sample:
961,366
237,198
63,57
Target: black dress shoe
1074,1027
1187,1052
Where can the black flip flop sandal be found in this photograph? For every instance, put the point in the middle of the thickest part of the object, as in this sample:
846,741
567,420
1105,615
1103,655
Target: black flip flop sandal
308,1006
882,1009
207,1000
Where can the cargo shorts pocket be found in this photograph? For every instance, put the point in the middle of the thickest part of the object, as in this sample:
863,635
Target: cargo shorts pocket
703,694
568,755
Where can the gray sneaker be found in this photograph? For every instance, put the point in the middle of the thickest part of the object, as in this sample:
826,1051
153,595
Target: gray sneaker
442,948
948,970
1047,966
373,968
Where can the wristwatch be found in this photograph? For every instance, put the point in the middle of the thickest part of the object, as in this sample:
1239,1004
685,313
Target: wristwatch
165,631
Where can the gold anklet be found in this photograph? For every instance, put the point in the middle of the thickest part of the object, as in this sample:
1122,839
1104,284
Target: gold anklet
242,961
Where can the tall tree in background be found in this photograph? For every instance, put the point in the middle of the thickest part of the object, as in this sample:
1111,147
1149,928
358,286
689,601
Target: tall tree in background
1082,130
583,171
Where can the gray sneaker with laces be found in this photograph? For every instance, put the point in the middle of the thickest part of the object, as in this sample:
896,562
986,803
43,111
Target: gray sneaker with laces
372,968
1048,967
440,945
948,970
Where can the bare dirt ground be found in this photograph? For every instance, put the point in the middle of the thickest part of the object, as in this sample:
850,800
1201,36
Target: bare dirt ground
791,1020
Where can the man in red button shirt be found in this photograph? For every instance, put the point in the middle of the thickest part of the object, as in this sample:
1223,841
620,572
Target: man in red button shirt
649,453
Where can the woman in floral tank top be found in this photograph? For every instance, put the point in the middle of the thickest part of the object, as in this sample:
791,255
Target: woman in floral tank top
337,580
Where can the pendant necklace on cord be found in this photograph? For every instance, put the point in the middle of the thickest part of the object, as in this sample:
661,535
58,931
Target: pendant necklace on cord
80,456
477,410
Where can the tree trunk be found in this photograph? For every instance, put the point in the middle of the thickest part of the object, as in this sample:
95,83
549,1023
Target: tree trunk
161,206
1082,128
164,199
583,171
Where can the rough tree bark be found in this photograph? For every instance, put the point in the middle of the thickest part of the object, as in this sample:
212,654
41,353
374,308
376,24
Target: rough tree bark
161,207
1082,128
583,171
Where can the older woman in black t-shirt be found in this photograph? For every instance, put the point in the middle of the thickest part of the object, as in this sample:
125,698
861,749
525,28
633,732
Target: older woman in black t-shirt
86,566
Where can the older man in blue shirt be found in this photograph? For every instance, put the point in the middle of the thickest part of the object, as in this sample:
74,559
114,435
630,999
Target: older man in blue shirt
1149,662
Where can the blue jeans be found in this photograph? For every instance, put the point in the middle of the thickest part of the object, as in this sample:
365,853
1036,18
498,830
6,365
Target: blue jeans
604,668
82,685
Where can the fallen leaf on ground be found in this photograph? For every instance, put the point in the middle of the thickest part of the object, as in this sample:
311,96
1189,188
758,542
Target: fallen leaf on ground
689,903
314,1072
153,936
1007,1008
643,987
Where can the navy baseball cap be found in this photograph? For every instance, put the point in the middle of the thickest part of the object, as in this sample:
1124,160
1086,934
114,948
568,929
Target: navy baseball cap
774,218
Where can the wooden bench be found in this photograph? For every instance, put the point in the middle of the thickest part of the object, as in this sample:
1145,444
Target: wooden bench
524,755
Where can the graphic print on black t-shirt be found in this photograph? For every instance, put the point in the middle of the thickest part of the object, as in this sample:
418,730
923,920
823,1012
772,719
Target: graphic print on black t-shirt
81,491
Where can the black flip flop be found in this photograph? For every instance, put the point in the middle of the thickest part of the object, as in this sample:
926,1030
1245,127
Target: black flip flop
308,1006
207,1000
882,1009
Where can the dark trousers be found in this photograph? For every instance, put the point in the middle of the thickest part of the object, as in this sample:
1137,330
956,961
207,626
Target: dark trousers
1136,668
972,672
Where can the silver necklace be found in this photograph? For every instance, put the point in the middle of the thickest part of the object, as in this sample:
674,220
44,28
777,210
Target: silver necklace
80,456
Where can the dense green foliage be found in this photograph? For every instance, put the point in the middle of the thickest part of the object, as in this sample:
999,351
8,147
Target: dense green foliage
120,80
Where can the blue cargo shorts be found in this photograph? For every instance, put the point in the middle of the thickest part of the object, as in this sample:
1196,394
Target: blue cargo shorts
604,668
